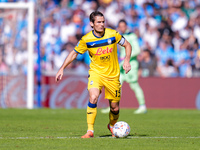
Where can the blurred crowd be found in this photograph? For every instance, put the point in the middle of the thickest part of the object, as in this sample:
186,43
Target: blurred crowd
168,33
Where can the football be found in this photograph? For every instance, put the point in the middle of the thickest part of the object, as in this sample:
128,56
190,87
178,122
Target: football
121,129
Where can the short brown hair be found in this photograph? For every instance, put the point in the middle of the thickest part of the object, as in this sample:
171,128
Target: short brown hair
94,14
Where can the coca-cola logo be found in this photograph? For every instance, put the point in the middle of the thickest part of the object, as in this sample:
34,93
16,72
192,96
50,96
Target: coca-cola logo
13,93
70,93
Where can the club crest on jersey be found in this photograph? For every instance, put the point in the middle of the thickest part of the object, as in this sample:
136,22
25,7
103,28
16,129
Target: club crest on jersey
101,51
109,41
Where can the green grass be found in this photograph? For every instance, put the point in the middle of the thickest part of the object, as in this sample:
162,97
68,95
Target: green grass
39,129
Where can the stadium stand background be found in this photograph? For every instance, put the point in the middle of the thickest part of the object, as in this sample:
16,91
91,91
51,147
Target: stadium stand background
168,30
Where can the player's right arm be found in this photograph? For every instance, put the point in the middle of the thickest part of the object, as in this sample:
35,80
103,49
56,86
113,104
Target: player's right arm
80,48
72,55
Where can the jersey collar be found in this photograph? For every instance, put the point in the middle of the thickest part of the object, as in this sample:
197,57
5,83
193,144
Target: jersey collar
98,36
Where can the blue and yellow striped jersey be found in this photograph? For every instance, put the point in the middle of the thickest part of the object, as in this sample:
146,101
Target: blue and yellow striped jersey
102,51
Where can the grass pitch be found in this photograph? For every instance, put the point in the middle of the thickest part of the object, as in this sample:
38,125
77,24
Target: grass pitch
61,129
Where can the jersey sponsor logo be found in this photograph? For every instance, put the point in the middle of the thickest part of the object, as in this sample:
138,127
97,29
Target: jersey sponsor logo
101,51
105,58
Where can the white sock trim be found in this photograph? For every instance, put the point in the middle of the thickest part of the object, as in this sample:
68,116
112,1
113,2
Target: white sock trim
91,131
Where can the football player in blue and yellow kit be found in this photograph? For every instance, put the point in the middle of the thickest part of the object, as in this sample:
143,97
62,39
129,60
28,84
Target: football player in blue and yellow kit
101,43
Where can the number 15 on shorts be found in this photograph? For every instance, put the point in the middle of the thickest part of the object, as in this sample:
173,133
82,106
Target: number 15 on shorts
117,93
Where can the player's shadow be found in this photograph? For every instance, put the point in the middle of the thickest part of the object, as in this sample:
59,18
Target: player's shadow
104,136
130,135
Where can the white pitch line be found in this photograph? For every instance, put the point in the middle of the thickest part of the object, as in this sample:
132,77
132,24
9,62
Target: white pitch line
136,137
161,137
129,137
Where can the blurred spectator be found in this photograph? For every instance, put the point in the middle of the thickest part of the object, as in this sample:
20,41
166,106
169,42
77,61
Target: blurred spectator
188,8
197,29
51,32
113,11
163,52
191,42
164,30
140,39
177,41
180,58
151,33
179,20
147,64
193,59
67,29
59,59
168,70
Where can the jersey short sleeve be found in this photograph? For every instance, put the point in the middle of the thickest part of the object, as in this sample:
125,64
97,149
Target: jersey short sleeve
81,47
119,38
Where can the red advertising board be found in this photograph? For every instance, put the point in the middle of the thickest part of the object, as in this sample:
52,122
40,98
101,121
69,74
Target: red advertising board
165,93
72,92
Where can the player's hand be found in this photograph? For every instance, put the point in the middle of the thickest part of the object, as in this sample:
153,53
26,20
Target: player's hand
59,75
126,66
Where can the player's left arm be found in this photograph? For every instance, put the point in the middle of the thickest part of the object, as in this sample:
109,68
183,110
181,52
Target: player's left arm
128,49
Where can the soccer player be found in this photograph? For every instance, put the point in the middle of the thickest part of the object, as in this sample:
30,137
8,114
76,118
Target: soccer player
101,43
132,76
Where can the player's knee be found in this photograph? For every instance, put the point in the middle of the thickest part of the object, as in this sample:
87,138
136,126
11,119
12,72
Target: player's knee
115,110
93,99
